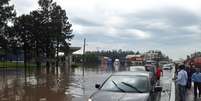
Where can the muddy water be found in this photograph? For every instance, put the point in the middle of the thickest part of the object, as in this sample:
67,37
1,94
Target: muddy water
64,84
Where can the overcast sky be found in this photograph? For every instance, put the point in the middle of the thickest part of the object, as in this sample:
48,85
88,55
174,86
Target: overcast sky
172,26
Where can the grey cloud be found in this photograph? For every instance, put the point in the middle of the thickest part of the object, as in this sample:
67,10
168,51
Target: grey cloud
25,6
172,15
161,19
85,22
176,40
25,3
166,25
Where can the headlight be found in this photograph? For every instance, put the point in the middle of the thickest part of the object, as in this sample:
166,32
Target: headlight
89,99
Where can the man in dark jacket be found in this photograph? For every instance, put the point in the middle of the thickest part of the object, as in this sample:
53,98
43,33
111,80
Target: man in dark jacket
190,70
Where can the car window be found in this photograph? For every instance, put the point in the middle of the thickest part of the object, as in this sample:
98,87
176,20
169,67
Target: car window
136,84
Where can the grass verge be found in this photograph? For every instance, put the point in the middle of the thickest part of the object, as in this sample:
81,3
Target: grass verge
9,64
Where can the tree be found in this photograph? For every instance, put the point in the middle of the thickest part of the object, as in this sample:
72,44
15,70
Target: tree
39,37
58,29
137,53
23,26
45,31
7,13
63,31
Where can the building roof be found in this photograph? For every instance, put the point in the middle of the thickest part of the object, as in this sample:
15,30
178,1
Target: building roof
74,49
131,56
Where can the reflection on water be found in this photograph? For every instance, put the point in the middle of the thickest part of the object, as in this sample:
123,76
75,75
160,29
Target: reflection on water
62,84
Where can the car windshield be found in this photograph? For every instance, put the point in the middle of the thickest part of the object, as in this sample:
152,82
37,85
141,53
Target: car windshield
138,84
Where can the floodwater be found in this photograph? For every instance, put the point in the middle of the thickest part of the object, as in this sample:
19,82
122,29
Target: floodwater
62,84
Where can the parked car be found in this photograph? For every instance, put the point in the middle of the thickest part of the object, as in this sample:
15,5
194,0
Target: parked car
126,86
167,66
152,76
152,62
137,68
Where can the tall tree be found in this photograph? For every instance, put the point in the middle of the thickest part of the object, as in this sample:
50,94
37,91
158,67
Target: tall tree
38,35
62,29
58,29
45,30
7,13
23,26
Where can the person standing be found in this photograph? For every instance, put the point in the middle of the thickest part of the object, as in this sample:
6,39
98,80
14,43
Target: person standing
116,64
181,80
159,72
190,70
196,78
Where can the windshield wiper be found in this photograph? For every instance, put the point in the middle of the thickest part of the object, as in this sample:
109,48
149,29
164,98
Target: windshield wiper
117,86
129,85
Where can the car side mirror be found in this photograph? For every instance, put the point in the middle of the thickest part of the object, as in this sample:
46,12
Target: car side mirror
158,89
97,86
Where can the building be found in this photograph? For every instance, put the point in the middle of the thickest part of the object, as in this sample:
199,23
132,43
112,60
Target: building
194,59
152,55
135,59
68,57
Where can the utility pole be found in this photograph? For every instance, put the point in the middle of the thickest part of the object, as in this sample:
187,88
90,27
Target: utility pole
83,56
83,63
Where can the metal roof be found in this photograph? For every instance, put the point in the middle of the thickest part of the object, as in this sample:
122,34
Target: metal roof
74,49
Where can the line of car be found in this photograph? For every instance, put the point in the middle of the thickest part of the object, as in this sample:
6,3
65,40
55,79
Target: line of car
138,84
167,66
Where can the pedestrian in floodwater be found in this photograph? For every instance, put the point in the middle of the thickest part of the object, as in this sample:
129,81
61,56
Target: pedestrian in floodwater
159,72
181,80
196,78
116,64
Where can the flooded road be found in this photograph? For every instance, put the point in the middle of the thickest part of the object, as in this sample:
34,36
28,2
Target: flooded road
166,81
63,85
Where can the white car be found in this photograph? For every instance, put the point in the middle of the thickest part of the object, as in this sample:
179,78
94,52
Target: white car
137,68
167,66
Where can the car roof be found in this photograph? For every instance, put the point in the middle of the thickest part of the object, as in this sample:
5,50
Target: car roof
167,65
131,73
138,66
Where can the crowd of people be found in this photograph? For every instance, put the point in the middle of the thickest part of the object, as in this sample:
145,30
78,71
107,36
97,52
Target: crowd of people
185,75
